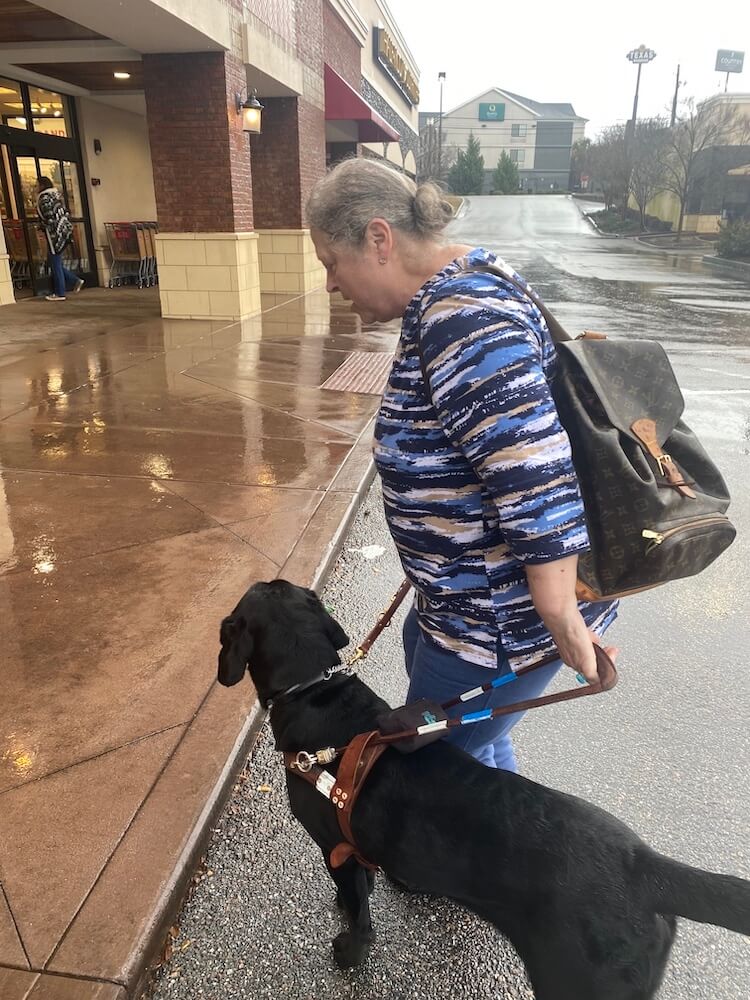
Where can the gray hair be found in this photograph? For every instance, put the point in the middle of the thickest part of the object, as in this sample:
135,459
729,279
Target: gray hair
357,190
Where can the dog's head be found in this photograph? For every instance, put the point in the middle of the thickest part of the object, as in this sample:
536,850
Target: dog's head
282,634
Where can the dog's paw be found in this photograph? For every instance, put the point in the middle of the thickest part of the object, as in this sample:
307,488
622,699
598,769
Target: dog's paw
349,951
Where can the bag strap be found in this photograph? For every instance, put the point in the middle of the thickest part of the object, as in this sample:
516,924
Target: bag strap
556,329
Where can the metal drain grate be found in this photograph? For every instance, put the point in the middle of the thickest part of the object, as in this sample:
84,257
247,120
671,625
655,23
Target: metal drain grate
363,371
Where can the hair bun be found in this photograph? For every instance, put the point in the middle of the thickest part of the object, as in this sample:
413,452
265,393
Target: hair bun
431,211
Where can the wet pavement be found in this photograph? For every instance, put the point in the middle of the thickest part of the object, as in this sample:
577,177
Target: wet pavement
667,751
149,471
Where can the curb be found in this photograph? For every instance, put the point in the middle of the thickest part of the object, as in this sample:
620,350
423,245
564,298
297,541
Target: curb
361,467
737,268
587,217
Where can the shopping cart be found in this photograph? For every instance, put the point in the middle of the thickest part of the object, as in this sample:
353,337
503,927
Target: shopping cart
127,263
20,266
147,247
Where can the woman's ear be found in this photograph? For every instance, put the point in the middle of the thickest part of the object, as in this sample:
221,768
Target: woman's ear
379,235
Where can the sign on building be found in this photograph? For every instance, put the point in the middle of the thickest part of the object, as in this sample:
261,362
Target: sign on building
729,61
389,58
491,112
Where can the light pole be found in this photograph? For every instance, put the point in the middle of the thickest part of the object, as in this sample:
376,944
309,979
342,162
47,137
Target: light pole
638,56
441,80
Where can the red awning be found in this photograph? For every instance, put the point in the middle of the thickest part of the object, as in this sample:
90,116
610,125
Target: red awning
343,103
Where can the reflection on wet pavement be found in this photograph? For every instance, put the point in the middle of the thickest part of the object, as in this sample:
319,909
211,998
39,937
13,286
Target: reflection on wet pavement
143,463
590,280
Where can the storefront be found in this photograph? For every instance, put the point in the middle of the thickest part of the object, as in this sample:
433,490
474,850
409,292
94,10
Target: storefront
39,138
138,121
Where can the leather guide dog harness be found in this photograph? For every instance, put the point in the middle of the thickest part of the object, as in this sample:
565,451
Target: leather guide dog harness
359,758
362,753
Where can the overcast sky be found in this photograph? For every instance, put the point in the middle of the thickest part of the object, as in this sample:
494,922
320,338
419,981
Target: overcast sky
561,51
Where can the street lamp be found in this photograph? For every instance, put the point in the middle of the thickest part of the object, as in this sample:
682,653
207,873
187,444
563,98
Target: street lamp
638,56
441,81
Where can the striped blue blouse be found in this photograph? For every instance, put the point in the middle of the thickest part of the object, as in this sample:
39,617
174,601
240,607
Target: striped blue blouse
476,470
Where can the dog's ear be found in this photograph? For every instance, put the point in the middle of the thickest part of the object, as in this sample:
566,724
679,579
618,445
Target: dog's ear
236,650
333,630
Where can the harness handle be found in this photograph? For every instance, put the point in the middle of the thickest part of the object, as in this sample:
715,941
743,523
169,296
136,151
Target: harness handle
605,668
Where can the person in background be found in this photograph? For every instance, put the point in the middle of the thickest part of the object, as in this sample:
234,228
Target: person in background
55,220
479,488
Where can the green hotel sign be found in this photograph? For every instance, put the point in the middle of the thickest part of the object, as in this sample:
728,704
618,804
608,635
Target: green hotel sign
492,112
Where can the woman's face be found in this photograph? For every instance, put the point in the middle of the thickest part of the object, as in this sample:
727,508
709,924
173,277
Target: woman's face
357,273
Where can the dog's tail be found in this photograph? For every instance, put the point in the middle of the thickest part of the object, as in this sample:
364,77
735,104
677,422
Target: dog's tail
678,889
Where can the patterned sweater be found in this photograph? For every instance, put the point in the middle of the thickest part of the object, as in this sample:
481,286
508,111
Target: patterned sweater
54,217
476,469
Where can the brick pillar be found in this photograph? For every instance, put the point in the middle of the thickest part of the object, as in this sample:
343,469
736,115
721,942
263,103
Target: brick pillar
206,249
288,157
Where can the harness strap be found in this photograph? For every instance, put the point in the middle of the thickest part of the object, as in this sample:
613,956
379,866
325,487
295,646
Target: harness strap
343,789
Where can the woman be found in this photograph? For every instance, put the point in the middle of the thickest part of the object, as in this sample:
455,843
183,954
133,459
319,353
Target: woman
479,489
58,229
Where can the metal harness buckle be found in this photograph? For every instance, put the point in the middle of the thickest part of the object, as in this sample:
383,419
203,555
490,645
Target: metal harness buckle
304,761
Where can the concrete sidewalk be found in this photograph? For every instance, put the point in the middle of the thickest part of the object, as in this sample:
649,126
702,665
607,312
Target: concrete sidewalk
150,470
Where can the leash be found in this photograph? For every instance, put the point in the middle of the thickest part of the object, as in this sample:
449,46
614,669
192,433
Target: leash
304,761
360,755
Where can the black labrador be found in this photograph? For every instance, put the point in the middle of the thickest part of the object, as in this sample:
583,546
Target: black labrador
587,904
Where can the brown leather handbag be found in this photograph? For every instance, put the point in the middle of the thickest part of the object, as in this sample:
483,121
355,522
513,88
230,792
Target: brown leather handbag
655,502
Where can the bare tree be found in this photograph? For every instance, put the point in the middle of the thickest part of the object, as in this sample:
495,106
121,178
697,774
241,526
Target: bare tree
580,162
646,155
712,123
429,163
608,165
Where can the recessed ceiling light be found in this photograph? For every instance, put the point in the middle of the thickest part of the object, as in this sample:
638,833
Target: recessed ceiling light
119,75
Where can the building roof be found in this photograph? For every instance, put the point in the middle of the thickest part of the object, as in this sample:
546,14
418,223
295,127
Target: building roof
548,112
560,111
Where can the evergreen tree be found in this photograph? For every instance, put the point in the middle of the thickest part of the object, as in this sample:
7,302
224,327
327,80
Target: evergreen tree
505,179
467,173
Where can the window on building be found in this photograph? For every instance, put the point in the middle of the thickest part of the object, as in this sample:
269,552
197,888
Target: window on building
518,155
48,112
12,111
518,131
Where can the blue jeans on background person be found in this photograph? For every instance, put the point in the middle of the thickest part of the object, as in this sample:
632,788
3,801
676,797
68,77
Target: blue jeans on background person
62,278
439,675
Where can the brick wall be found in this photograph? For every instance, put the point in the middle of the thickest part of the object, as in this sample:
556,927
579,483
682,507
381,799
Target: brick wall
312,133
288,157
275,159
278,15
341,50
199,153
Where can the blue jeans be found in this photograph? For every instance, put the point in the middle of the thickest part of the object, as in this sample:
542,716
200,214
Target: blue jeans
437,674
61,276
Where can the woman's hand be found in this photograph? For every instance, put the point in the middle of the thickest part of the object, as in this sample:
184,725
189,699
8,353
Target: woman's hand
553,591
575,642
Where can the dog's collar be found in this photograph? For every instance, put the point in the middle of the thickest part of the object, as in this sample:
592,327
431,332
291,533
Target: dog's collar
327,674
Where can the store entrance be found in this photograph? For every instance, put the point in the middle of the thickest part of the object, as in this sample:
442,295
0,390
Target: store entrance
47,149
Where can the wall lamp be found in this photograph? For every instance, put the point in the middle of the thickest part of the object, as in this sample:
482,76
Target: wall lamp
251,110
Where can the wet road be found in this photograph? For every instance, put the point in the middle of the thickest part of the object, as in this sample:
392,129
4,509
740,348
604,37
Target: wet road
667,752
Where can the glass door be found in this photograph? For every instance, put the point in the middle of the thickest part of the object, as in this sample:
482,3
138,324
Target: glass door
26,169
28,252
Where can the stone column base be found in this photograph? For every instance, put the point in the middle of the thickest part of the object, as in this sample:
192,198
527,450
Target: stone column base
7,297
288,262
103,265
208,275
